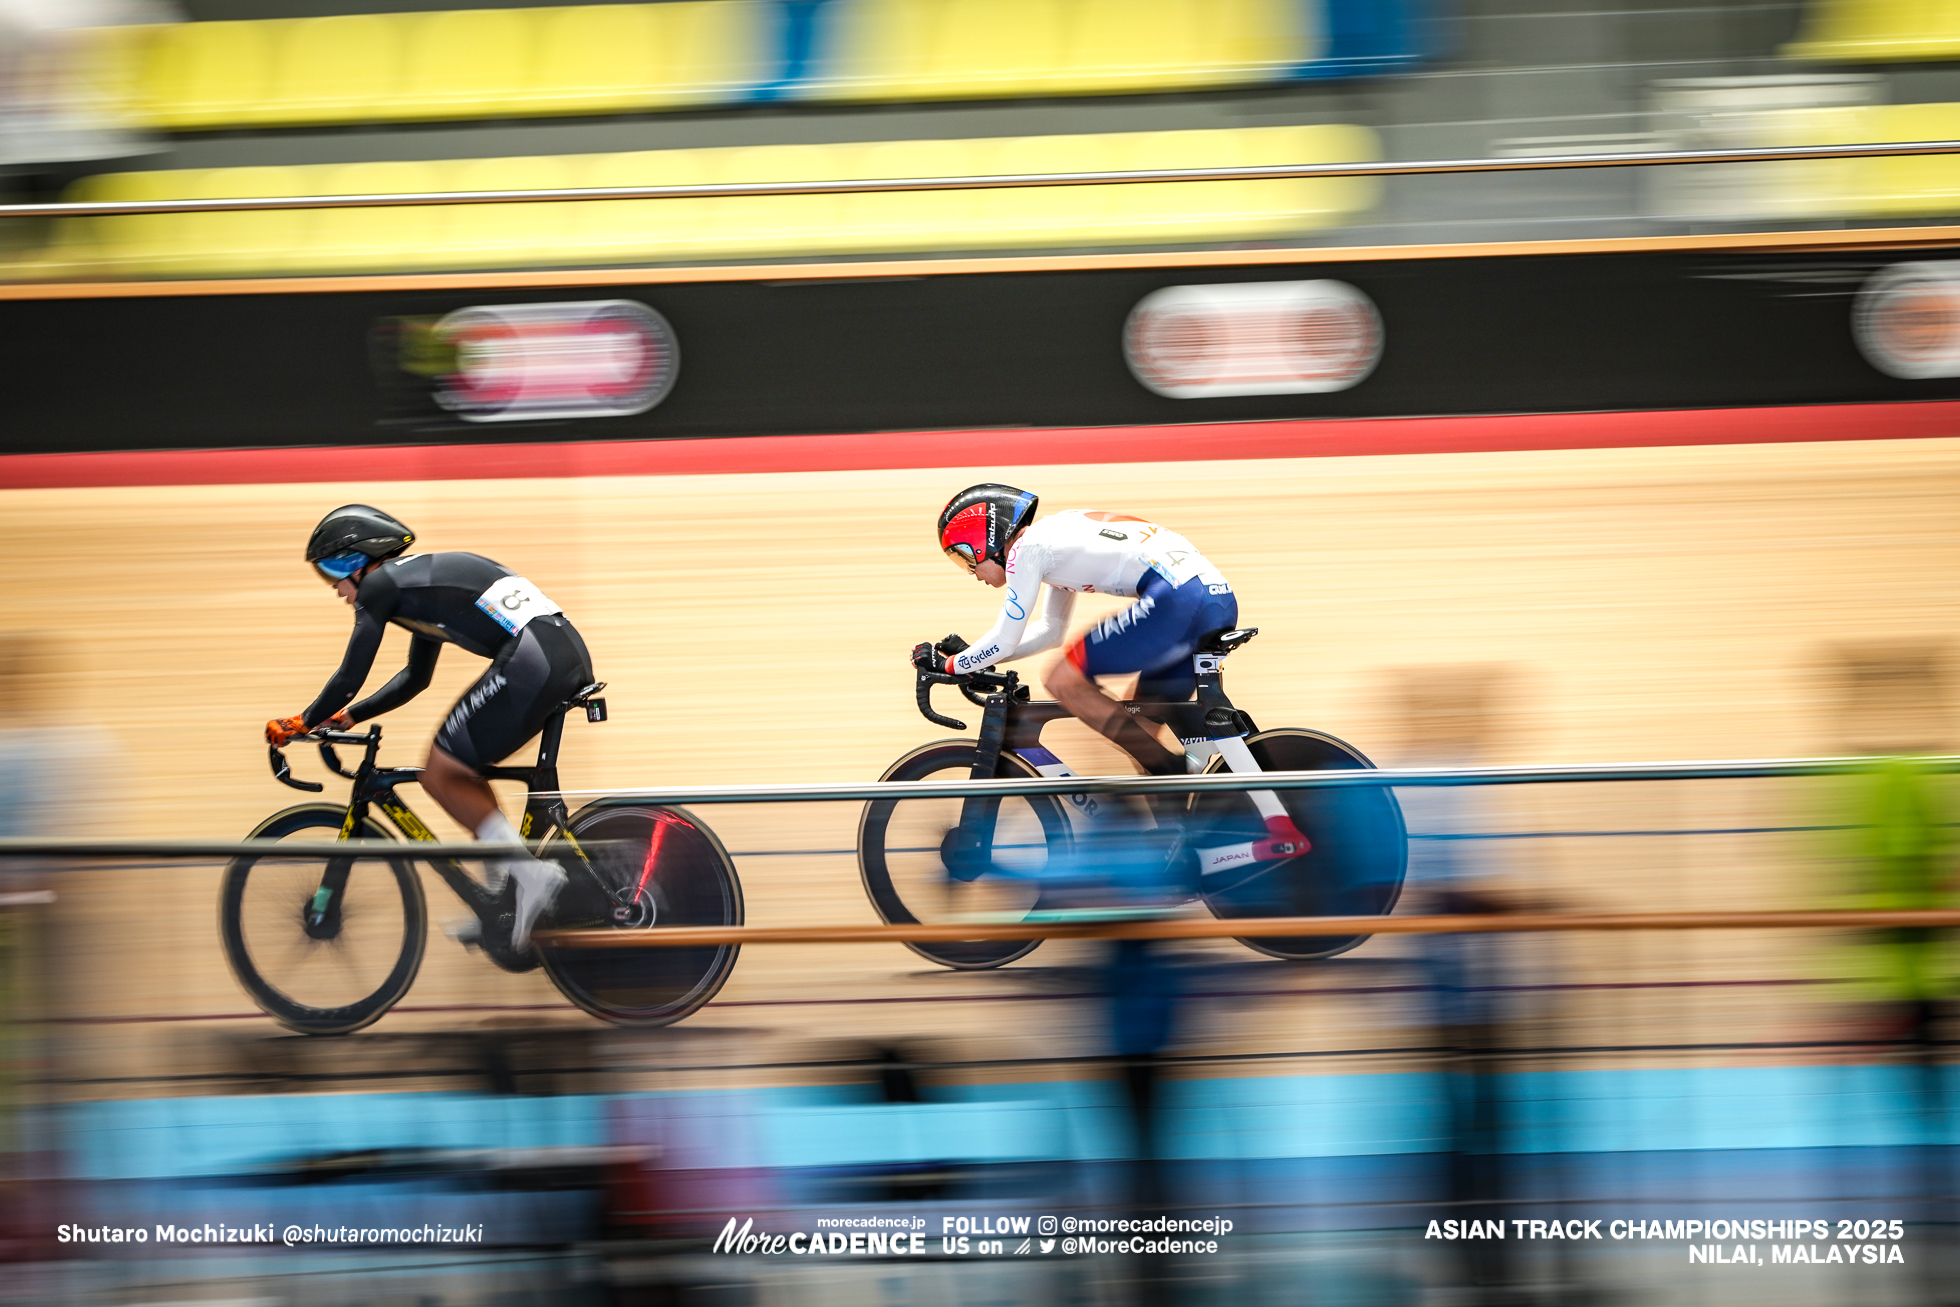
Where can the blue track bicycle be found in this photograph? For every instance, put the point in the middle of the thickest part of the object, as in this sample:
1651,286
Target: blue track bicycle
1259,853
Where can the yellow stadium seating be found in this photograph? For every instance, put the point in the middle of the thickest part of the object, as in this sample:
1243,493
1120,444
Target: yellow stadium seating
1928,185
992,48
356,240
135,246
773,225
464,63
1180,211
172,244
559,233
599,59
896,221
228,243
1250,40
713,51
207,74
613,58
341,69
453,64
938,49
622,231
1060,216
864,47
1139,45
1127,45
941,49
1878,30
492,235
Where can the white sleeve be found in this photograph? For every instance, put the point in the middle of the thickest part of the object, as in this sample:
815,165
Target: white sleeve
1025,564
1048,628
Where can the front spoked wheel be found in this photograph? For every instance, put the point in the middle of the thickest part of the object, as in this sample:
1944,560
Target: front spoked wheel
1354,868
640,867
323,949
900,855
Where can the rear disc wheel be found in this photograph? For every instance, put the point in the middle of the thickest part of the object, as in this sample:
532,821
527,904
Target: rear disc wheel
1353,869
644,867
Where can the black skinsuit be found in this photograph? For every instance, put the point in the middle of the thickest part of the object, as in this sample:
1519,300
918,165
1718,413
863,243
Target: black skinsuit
434,596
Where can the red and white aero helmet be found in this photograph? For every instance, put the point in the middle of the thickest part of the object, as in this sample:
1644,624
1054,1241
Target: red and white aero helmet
977,523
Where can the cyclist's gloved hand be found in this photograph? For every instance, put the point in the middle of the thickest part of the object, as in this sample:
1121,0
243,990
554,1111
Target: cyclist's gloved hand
281,729
340,721
952,644
927,659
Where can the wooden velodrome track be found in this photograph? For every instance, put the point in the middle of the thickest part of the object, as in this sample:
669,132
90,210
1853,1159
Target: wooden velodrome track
1637,603
1654,604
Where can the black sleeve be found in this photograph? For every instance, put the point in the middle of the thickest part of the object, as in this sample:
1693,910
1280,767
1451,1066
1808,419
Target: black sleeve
362,646
410,681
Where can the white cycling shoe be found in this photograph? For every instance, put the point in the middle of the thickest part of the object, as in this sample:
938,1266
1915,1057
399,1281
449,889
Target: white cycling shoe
538,884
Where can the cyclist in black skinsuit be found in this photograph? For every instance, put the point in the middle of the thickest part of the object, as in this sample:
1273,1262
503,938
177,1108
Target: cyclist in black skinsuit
537,662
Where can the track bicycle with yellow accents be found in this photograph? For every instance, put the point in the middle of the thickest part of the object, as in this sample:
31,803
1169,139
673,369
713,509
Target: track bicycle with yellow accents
326,950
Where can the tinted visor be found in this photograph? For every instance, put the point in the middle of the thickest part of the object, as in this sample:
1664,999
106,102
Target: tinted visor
962,556
341,566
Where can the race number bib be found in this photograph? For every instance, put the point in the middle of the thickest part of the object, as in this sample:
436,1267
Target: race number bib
1180,565
513,602
1171,556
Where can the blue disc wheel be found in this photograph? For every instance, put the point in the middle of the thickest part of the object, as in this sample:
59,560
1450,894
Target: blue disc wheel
1354,867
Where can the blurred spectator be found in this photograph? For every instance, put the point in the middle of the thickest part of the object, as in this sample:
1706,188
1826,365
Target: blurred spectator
63,91
52,769
1898,853
1446,717
1122,868
47,767
1898,849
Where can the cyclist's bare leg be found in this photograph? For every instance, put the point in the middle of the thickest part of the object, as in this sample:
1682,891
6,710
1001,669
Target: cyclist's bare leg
1086,701
456,787
466,796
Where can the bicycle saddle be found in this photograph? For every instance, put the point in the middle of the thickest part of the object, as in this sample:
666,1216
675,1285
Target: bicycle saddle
1223,642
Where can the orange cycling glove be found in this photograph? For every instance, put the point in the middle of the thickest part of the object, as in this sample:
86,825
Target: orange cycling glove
281,729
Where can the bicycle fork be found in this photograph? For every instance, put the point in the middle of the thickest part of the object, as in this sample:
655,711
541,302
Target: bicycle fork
968,849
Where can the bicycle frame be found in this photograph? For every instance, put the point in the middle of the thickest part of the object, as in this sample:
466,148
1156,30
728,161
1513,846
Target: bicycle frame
1012,721
375,786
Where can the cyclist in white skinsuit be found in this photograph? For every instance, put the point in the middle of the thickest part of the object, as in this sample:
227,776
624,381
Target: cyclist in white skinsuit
1180,597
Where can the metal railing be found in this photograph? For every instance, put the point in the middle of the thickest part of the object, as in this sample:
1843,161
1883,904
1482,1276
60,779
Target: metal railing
1370,778
1002,181
1194,928
1496,923
869,791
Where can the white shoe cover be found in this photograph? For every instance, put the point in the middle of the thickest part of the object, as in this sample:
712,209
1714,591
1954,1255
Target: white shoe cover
538,884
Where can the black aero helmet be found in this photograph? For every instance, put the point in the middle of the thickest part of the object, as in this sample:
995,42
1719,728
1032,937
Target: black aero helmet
351,537
978,523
